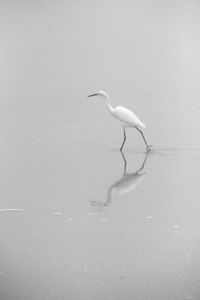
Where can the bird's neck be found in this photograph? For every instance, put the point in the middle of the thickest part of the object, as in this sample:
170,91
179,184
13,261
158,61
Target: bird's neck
110,109
108,104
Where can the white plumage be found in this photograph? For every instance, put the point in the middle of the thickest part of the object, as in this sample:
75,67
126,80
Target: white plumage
127,117
124,115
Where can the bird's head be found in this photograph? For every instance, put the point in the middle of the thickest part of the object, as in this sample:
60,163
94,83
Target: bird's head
100,93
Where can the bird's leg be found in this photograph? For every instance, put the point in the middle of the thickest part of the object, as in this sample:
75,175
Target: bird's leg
125,162
123,140
147,146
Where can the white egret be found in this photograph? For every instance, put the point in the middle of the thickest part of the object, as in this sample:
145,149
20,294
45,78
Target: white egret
125,116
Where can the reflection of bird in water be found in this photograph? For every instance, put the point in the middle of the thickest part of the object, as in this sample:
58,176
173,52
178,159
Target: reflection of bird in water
127,183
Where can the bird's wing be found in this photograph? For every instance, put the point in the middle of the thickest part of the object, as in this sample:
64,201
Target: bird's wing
126,116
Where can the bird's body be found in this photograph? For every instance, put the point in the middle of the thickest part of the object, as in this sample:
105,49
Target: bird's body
124,115
127,117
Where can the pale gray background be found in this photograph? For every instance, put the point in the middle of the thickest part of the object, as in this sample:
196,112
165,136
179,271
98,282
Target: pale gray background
59,153
144,53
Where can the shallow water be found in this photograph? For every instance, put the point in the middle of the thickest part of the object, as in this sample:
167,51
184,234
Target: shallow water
78,218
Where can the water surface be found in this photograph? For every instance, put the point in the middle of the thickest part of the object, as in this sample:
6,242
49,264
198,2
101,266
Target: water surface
79,220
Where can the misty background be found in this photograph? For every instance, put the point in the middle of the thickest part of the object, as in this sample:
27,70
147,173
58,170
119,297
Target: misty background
145,54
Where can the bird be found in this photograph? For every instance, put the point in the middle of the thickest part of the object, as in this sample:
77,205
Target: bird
125,116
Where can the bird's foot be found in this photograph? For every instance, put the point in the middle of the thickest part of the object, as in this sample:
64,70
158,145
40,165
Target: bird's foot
149,147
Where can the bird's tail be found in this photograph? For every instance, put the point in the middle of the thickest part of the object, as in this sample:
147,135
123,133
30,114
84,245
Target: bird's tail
142,125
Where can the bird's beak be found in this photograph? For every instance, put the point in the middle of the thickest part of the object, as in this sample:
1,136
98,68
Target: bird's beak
92,95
